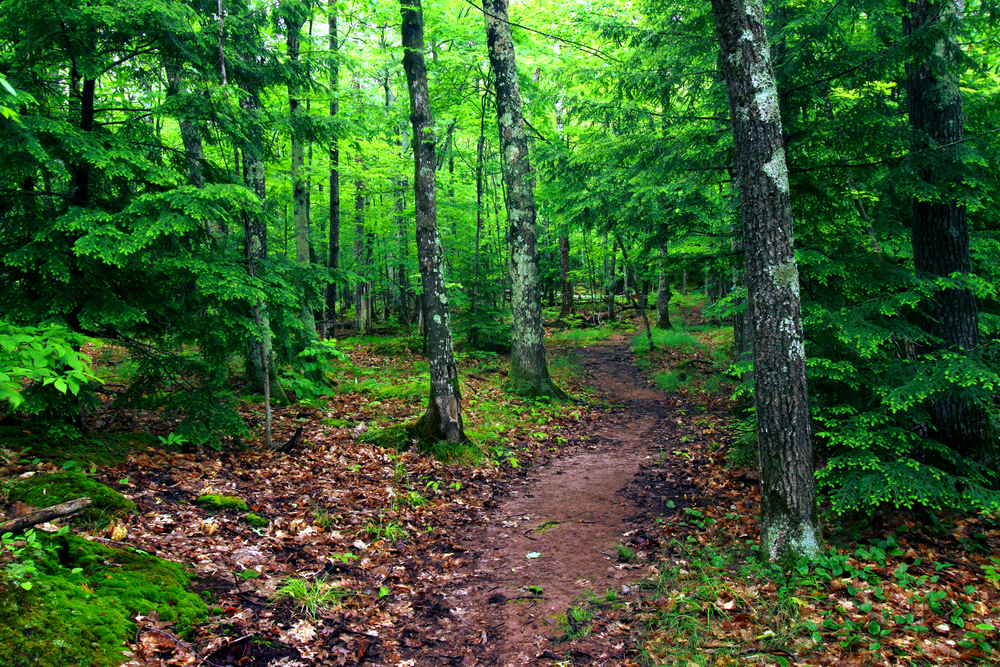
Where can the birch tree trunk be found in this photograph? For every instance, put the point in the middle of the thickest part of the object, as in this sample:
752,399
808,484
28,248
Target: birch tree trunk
443,419
940,232
788,495
529,374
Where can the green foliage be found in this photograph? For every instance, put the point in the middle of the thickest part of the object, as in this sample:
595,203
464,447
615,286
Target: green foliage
45,490
79,609
256,520
580,336
215,501
675,338
312,597
45,355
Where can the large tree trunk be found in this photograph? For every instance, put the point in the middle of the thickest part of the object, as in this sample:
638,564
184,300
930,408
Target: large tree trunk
333,252
788,486
443,420
940,230
529,374
300,193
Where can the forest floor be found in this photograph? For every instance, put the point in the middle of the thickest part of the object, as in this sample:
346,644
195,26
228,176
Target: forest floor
613,532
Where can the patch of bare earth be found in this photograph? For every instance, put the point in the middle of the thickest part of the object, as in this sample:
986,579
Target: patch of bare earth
551,543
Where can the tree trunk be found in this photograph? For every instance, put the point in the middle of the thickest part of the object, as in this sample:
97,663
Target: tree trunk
567,286
788,486
479,209
443,420
333,251
663,294
300,194
940,232
529,374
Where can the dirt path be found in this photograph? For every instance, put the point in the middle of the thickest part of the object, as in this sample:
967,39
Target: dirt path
568,515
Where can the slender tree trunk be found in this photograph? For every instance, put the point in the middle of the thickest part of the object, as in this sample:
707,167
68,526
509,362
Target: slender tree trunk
333,251
612,281
788,496
663,294
300,194
640,303
260,375
190,134
362,318
443,420
567,286
479,210
940,232
529,374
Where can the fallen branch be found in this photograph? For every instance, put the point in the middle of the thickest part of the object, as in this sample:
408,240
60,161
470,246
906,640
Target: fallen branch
43,515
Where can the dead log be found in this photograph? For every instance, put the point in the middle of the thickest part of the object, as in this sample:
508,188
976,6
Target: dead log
43,515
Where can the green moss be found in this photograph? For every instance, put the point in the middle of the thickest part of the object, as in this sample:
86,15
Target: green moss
396,437
46,490
255,520
83,617
406,390
216,501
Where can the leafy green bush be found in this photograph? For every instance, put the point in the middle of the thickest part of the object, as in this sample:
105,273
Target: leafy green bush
46,355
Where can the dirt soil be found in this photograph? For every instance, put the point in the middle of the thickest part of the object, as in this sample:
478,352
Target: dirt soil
551,543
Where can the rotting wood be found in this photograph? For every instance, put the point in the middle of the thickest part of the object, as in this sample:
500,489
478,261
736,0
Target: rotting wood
41,516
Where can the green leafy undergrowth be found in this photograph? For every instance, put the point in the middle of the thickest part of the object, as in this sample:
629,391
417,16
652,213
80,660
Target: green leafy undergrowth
580,336
45,490
217,501
83,596
668,338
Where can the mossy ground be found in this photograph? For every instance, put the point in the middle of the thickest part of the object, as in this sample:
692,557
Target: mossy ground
45,490
83,596
216,501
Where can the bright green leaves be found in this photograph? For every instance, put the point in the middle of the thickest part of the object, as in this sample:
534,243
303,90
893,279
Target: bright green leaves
45,355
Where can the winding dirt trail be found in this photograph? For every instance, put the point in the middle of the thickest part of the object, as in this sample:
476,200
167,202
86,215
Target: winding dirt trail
569,514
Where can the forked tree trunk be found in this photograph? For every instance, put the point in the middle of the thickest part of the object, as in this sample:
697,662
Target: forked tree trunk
529,374
940,229
443,420
788,487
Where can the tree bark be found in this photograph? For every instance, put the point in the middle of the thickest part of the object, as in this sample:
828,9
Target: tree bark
300,193
443,419
333,251
529,374
940,232
788,487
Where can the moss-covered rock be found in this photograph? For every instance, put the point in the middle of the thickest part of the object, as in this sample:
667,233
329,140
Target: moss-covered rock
217,501
83,595
256,520
45,490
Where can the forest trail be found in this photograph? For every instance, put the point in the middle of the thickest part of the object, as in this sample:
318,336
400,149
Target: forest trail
571,512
